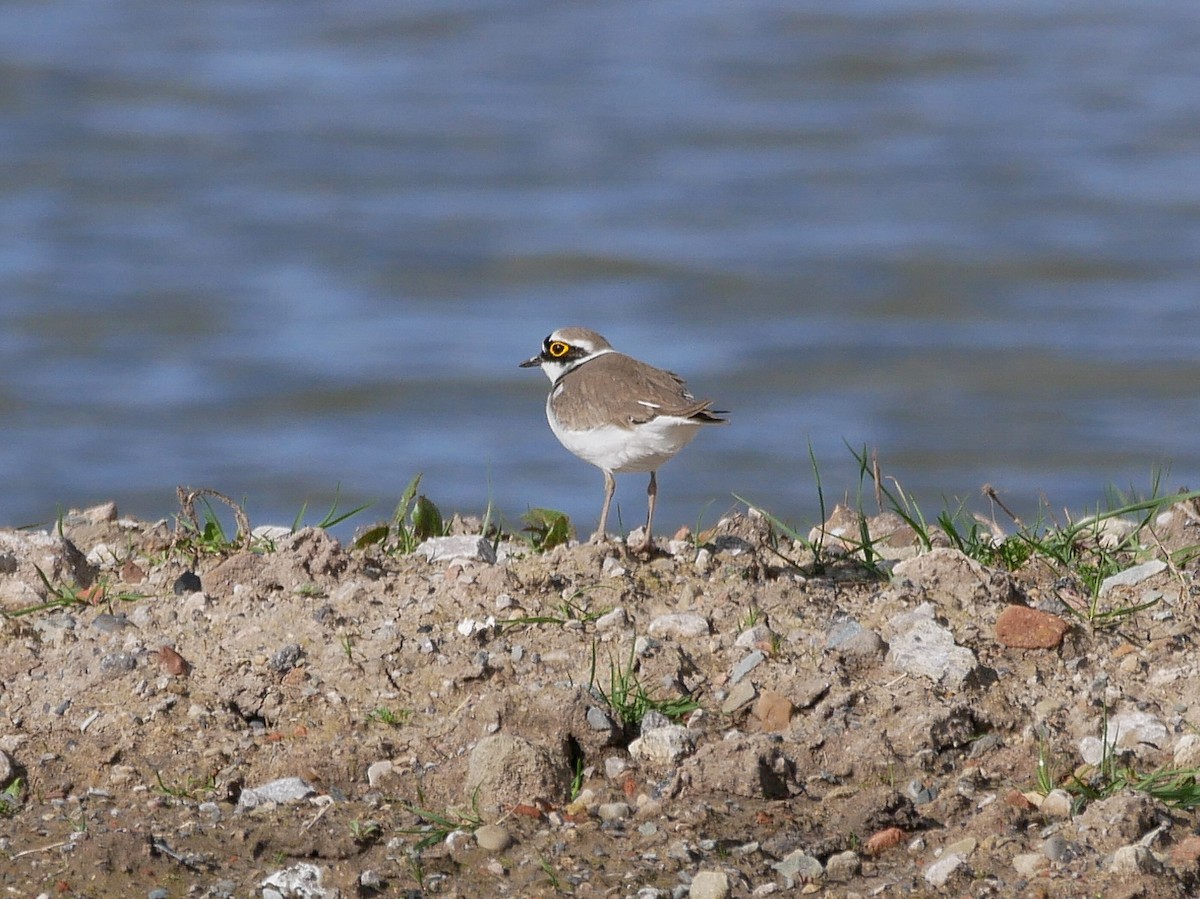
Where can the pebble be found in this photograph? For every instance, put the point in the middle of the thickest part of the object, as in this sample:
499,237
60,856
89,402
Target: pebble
1059,849
493,838
943,869
110,624
924,647
377,771
1056,804
1030,864
710,885
739,697
753,636
1187,751
302,881
448,549
615,766
774,711
1132,576
746,665
1020,627
612,620
662,746
286,789
680,625
188,582
614,811
799,866
1130,860
597,720
1131,729
842,866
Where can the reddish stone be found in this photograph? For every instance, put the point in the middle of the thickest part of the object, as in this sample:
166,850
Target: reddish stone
1020,627
774,711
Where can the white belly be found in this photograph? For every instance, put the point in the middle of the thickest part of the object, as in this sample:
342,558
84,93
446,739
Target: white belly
643,448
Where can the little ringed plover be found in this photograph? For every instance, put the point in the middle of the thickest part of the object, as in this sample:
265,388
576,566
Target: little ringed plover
616,412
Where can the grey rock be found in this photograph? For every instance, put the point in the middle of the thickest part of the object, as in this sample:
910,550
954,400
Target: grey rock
842,866
680,625
284,790
302,881
662,747
597,720
923,647
285,658
468,548
710,885
614,811
752,636
746,665
799,867
943,869
1059,849
613,620
493,838
739,697
505,770
1132,576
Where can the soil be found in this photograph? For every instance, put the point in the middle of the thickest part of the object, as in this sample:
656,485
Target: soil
296,719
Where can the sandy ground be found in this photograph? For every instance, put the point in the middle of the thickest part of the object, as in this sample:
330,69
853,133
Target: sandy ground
303,718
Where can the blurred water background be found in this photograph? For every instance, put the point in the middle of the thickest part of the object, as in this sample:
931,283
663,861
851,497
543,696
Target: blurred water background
274,247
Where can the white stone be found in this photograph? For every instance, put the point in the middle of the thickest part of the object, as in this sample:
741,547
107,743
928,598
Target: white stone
447,549
1131,576
710,885
923,647
302,881
1131,729
286,789
679,625
1187,751
943,869
1057,804
662,746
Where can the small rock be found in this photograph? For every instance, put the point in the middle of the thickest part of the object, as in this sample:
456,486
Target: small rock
302,881
1056,804
493,838
799,867
1133,860
1132,576
739,697
842,866
1020,627
662,746
774,711
746,665
615,766
597,720
1030,864
614,811
188,582
924,647
448,549
680,625
285,658
1132,729
1059,849
753,636
377,771
612,620
710,885
284,790
943,869
7,771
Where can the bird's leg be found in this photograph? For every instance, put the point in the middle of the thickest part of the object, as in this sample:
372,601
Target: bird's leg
647,543
610,487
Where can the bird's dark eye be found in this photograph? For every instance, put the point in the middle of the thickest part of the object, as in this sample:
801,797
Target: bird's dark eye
558,349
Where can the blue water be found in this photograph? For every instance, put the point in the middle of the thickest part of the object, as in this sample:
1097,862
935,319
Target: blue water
272,248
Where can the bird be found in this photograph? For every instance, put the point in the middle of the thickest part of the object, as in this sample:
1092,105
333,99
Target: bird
618,413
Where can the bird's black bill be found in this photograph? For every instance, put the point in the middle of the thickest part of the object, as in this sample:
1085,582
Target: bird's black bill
530,363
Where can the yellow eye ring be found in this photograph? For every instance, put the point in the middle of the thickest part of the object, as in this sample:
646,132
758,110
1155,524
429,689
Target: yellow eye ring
558,349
